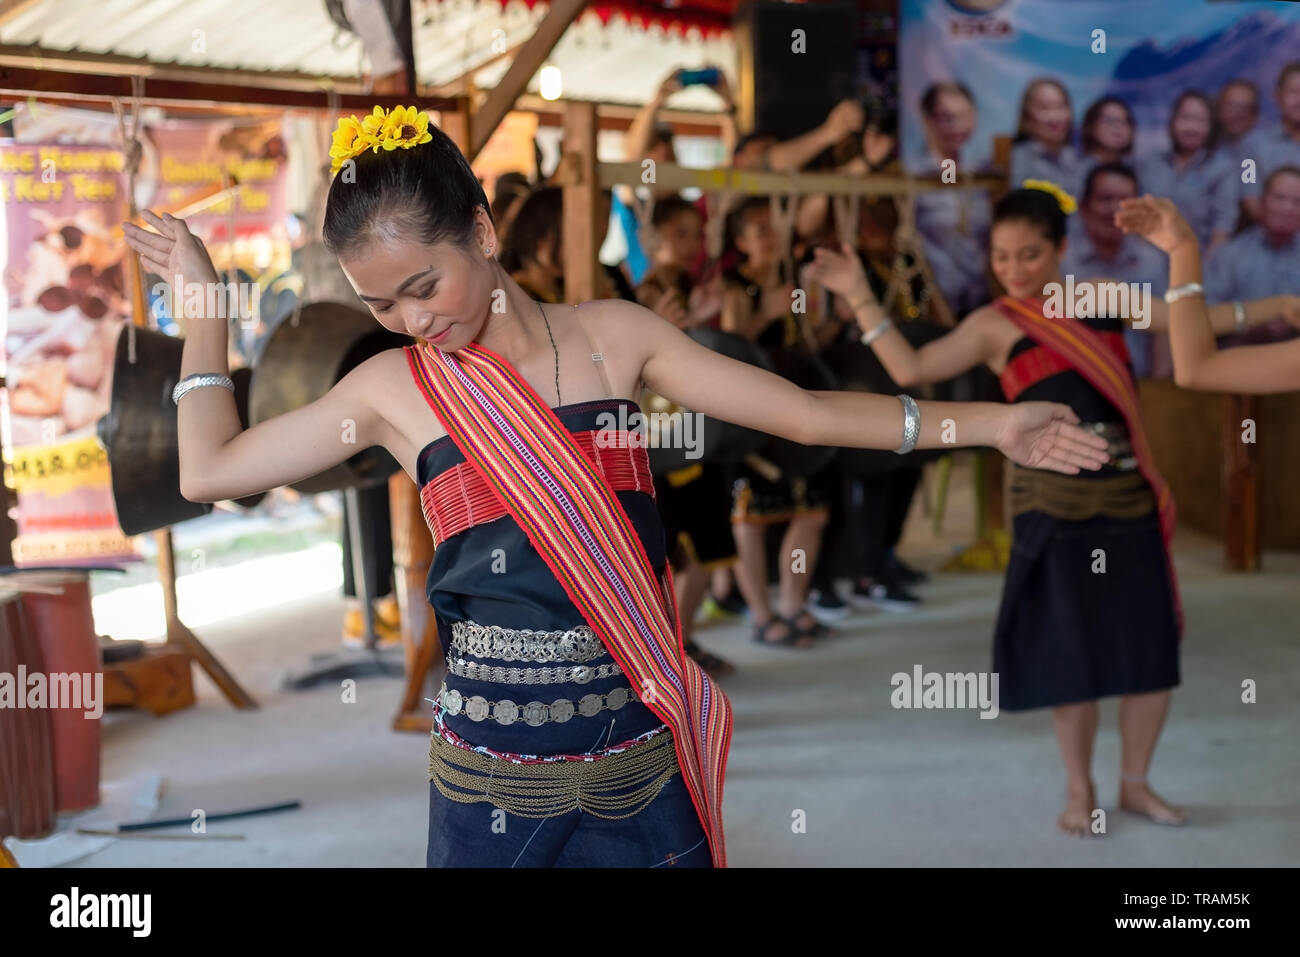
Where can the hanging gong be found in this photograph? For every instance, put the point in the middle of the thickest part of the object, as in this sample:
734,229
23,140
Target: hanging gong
243,379
301,363
139,433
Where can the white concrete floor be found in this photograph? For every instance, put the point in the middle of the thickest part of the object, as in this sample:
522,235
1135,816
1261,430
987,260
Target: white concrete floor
814,732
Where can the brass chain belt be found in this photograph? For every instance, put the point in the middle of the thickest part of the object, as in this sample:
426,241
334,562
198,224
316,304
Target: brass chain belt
1077,499
613,787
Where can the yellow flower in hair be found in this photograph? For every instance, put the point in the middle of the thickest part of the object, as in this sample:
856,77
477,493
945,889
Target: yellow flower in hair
350,139
1063,199
405,127
374,124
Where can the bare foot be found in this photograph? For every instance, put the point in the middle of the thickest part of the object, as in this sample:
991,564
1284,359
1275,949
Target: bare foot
1137,798
1076,819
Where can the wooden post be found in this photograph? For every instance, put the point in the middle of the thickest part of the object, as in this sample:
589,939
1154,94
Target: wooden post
581,201
1240,486
412,556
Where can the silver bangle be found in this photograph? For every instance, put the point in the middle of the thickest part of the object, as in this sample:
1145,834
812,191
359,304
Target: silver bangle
869,337
1183,291
1239,312
911,424
198,381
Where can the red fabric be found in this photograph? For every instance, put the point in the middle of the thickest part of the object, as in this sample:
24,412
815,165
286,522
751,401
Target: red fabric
460,498
1036,364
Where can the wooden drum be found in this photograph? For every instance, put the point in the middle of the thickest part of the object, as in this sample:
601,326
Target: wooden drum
26,760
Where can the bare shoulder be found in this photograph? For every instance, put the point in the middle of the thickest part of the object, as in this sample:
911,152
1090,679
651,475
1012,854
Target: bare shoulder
986,320
617,321
380,371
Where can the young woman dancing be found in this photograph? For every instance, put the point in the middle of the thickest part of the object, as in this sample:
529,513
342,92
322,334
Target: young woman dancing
572,730
1090,606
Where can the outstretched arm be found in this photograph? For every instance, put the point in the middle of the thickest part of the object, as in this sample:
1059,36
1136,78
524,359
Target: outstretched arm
1222,316
1040,435
1198,362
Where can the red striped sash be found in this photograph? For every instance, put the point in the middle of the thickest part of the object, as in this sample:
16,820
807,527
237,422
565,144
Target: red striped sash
574,520
1035,365
459,498
1094,356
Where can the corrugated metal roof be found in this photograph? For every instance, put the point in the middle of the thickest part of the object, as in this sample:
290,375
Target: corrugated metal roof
617,62
238,34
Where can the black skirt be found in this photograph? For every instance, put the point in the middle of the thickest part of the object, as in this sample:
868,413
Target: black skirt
1069,632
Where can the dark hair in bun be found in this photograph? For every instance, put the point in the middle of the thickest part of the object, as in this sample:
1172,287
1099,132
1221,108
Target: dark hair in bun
427,193
1034,206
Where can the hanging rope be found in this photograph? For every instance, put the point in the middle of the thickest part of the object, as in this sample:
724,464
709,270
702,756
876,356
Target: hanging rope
785,209
847,209
716,228
128,132
907,241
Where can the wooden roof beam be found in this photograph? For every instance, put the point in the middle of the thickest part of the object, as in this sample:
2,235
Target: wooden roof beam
527,61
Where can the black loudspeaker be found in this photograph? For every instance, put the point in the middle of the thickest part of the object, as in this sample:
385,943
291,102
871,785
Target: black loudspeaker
796,61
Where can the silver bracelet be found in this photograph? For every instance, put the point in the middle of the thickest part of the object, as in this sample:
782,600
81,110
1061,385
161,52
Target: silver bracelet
1239,312
198,381
911,424
1183,291
869,337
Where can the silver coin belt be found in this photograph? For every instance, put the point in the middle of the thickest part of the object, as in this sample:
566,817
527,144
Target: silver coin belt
521,644
1120,448
572,674
535,713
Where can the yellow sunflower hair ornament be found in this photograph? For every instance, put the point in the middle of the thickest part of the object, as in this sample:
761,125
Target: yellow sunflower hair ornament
1063,199
403,126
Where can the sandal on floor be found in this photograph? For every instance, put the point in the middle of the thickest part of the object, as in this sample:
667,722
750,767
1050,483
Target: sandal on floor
713,666
794,638
815,630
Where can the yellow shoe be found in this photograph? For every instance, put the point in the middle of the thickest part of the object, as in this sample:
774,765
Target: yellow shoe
354,627
990,553
386,610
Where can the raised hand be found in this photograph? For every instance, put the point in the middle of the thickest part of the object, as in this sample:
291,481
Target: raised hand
1156,220
1045,435
172,252
840,272
845,117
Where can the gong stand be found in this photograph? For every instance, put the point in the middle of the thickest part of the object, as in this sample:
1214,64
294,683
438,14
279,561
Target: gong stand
367,661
